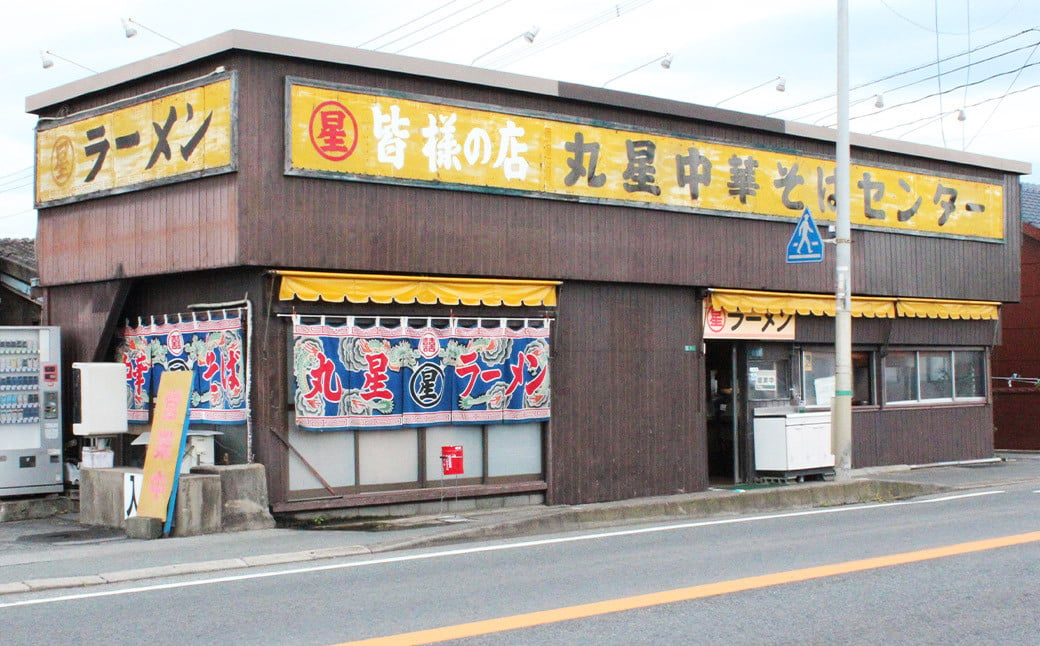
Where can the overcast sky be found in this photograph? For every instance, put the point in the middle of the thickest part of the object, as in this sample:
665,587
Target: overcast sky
728,52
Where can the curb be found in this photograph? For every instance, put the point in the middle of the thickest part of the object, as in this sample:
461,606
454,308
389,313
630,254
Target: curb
592,516
540,521
35,508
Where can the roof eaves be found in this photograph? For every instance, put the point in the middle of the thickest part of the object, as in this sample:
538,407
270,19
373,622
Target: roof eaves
338,54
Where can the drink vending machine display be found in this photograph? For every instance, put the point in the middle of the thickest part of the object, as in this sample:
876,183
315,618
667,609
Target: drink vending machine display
30,410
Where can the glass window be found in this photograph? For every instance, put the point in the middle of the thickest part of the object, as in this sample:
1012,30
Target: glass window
769,380
515,449
969,368
936,375
901,377
817,377
388,457
862,378
818,366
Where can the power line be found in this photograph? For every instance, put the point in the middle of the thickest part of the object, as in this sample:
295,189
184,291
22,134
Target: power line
1032,45
910,70
17,172
948,33
412,21
416,31
14,215
967,74
829,110
953,89
567,33
455,26
938,70
13,180
974,105
15,188
1017,72
1004,96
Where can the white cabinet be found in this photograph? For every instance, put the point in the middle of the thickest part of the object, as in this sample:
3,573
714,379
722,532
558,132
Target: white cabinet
790,441
100,394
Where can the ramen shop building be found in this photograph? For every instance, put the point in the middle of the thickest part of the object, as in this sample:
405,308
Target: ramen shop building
399,280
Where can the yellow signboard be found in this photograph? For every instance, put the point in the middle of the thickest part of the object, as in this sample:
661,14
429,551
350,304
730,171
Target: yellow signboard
172,135
165,445
338,132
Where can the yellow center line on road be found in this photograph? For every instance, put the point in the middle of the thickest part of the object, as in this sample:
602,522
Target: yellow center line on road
543,617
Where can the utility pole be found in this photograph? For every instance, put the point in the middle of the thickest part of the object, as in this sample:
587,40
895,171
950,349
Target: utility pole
841,407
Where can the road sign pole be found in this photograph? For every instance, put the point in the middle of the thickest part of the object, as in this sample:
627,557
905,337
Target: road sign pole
841,408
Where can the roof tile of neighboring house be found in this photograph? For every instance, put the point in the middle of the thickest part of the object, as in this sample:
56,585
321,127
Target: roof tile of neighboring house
18,257
1031,204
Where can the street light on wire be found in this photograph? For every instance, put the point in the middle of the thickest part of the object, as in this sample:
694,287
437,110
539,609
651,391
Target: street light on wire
666,63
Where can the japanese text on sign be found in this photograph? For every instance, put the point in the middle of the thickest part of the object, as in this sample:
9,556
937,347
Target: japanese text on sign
352,377
160,138
720,324
165,447
338,133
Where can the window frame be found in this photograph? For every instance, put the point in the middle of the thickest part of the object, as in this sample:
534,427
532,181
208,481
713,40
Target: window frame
922,372
871,372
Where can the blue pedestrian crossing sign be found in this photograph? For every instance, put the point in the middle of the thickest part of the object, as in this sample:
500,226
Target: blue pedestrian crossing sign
805,244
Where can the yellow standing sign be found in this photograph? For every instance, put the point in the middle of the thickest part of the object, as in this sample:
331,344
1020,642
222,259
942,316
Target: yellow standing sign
162,460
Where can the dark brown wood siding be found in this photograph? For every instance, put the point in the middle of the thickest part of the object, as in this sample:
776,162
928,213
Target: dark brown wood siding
184,226
902,331
329,224
259,216
180,227
628,401
915,434
921,435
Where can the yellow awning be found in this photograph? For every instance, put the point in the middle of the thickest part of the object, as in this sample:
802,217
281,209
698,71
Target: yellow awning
927,308
758,302
425,290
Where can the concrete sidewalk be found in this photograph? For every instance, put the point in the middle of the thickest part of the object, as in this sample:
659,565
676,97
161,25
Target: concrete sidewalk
58,552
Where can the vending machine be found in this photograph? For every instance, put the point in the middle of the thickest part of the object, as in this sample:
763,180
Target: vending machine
30,411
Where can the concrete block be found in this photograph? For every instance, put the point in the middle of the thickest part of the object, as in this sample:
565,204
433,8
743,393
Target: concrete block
101,496
144,527
34,508
243,489
198,509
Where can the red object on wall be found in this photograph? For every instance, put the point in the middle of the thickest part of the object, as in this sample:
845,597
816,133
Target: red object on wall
451,460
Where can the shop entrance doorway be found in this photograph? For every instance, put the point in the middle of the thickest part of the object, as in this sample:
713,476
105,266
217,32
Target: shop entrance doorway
741,376
723,420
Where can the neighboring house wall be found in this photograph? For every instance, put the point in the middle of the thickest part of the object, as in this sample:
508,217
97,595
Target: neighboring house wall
1016,404
18,302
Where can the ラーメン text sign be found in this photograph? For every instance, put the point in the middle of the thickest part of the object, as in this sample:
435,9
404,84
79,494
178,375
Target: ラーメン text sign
171,135
720,324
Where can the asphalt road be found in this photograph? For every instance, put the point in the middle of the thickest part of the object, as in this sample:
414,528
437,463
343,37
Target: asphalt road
925,572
